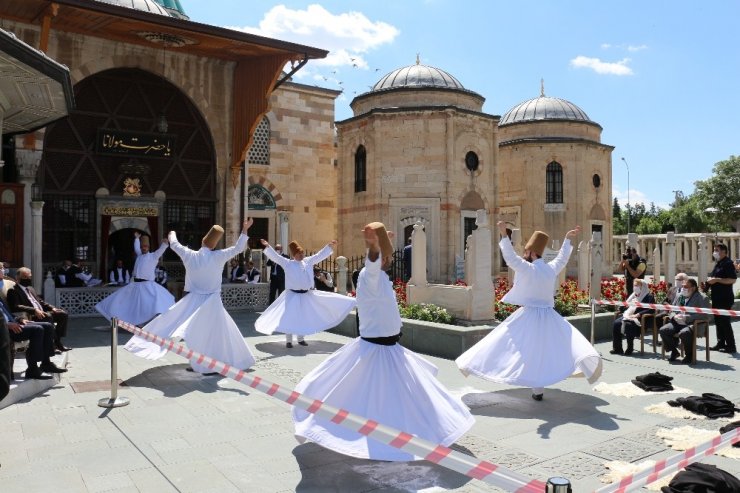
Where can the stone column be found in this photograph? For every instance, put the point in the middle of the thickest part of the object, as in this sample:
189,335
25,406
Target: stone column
284,231
37,212
481,305
656,265
27,161
703,254
670,254
596,253
584,274
418,256
341,283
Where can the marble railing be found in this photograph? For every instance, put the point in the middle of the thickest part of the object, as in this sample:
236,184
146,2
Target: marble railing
80,302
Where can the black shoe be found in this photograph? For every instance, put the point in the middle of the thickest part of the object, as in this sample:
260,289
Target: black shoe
629,351
289,345
303,343
674,355
62,347
189,368
211,374
537,397
617,351
686,360
718,347
728,350
51,368
35,374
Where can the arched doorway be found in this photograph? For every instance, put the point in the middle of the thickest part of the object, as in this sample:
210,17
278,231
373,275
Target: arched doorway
143,111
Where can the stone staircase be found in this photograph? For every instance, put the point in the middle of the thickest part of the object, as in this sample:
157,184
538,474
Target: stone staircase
20,388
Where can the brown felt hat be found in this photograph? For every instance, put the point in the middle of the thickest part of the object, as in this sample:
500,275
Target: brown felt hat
295,248
213,236
537,243
386,248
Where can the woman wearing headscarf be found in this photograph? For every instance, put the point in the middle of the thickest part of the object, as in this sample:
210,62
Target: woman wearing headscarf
628,325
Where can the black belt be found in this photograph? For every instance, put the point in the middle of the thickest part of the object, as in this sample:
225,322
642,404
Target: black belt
383,341
300,290
137,279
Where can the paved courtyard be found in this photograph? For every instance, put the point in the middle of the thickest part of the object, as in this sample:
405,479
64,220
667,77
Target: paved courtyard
186,433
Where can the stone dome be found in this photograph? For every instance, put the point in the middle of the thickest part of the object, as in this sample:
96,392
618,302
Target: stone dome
544,108
174,7
417,75
144,5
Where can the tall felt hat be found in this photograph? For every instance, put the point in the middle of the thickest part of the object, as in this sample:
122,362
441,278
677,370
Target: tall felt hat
213,236
295,248
144,240
537,243
386,248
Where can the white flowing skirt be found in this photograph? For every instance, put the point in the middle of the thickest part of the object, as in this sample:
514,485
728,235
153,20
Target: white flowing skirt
137,302
533,347
304,313
388,384
206,327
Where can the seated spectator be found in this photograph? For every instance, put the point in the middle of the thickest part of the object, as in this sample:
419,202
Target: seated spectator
23,298
673,296
160,274
253,275
88,278
236,271
67,276
5,283
41,343
628,324
322,280
679,325
119,275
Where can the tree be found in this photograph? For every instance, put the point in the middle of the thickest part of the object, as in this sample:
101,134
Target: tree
618,221
689,216
721,193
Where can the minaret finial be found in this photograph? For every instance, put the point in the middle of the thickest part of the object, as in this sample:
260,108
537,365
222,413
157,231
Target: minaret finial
417,59
542,88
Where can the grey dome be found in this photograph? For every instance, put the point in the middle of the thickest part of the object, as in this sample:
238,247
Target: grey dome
145,5
417,75
544,108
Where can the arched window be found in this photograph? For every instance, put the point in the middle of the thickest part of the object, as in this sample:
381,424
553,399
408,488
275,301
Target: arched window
360,169
259,198
259,151
554,184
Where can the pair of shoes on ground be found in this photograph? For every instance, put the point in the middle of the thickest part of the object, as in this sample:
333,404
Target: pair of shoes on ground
728,350
622,353
289,345
38,373
674,355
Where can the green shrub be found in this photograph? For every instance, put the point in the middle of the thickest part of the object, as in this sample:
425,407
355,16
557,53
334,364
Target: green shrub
426,312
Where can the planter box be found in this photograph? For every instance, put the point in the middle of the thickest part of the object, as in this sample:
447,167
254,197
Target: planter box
450,341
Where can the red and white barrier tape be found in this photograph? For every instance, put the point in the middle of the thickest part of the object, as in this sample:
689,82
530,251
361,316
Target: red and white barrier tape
671,308
444,456
671,464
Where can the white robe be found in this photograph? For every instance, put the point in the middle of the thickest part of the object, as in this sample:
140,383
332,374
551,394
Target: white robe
535,346
139,302
302,313
200,317
389,384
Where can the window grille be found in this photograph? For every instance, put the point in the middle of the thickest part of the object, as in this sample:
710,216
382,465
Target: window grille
259,151
554,183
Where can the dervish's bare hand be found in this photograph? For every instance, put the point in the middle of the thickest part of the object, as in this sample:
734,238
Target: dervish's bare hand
573,233
502,228
137,234
391,235
264,243
165,240
247,224
371,237
333,243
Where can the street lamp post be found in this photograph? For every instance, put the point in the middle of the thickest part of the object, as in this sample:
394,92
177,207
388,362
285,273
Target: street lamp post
629,212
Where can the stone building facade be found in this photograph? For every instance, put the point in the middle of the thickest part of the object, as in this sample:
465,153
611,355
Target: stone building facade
419,148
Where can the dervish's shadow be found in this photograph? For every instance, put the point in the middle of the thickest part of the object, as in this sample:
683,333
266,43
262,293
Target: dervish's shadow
559,407
327,471
314,347
175,381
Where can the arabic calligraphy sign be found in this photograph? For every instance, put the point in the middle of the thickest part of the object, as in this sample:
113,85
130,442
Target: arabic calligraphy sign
129,211
128,143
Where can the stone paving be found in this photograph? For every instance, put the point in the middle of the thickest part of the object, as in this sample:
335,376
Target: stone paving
186,433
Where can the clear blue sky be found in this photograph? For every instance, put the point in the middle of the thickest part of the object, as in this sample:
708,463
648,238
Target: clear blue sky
661,77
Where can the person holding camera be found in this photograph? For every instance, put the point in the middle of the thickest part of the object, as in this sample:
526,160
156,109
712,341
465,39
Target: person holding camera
634,267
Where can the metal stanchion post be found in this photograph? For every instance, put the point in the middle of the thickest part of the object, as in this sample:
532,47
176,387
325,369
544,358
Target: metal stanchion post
558,485
593,320
114,400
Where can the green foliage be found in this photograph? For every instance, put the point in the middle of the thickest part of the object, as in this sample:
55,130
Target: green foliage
426,312
688,216
721,192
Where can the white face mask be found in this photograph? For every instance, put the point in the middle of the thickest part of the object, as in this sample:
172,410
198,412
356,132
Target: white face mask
715,255
684,291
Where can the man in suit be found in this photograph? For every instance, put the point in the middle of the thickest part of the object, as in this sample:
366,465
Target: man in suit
40,336
679,325
277,275
23,298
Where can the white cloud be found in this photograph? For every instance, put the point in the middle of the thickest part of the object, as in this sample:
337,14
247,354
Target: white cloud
605,46
635,196
347,36
601,67
636,47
